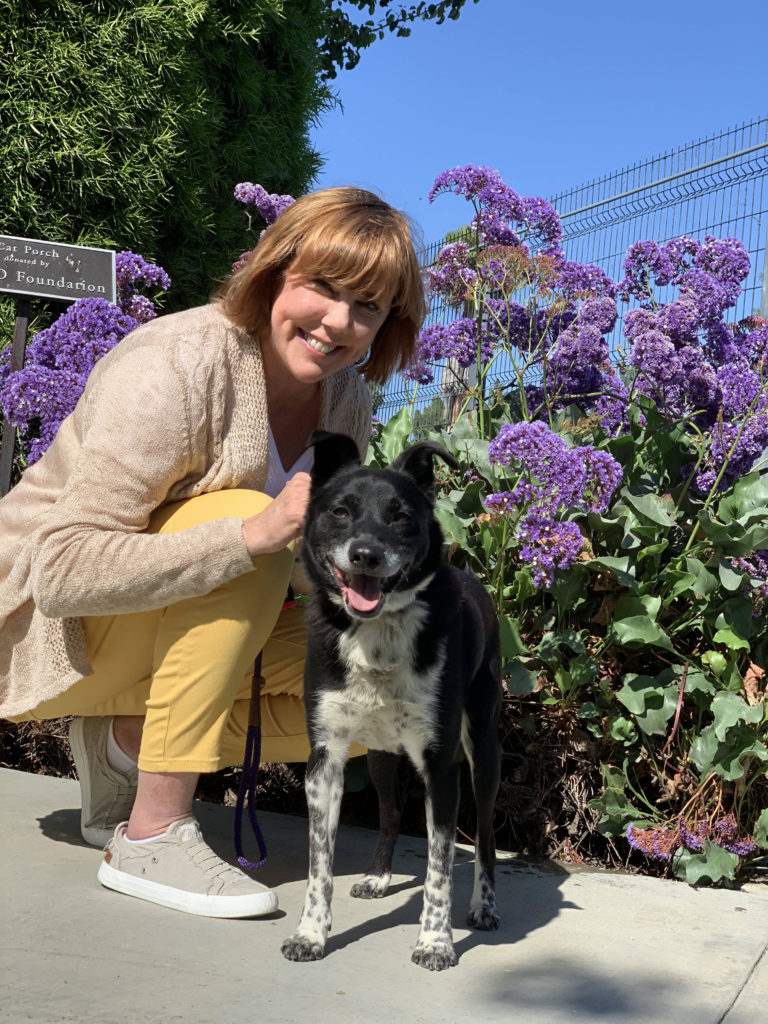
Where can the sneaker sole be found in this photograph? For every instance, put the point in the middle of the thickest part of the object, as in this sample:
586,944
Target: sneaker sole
255,905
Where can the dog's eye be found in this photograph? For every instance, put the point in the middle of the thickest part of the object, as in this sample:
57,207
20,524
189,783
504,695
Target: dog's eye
340,512
401,517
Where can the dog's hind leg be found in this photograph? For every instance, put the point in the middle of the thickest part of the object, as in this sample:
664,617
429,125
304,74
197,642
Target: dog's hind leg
483,752
382,768
434,946
324,788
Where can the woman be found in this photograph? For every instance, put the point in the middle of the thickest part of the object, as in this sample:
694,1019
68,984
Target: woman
145,558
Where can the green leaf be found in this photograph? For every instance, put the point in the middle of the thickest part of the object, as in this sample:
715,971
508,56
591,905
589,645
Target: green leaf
520,681
760,831
511,644
712,865
395,433
736,614
729,638
749,493
651,704
682,582
729,709
454,529
623,731
640,629
705,581
470,500
616,809
716,662
651,507
620,568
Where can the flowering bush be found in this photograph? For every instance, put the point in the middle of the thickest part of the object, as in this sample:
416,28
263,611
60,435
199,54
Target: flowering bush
38,397
609,503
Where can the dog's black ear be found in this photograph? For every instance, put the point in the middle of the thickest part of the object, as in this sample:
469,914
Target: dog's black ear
416,461
332,451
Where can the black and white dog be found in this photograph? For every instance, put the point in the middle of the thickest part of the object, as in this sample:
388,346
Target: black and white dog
403,657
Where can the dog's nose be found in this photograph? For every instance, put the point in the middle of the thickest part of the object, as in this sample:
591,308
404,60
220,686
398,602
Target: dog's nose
366,558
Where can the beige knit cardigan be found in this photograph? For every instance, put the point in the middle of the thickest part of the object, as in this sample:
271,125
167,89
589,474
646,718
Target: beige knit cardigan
177,409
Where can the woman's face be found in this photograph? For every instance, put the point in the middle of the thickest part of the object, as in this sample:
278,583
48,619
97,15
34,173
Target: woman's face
318,328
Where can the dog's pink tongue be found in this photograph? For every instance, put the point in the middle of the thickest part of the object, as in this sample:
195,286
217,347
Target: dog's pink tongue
363,593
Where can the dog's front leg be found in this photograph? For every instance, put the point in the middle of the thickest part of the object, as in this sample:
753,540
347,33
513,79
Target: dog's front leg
434,947
324,788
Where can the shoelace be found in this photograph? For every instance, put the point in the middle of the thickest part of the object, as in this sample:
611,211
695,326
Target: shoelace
209,862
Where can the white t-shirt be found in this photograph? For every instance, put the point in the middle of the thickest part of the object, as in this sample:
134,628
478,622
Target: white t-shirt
277,475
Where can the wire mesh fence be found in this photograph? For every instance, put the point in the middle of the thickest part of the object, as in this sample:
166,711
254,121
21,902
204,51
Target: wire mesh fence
717,186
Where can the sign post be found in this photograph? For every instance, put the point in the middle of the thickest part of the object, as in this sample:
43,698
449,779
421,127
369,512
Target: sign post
30,267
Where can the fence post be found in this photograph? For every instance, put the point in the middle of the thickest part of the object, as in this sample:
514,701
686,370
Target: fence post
18,349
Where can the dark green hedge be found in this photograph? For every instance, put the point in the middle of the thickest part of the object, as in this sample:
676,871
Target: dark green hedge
127,125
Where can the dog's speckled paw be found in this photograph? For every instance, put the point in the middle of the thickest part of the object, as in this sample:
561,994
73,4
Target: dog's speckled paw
435,958
370,887
301,949
485,918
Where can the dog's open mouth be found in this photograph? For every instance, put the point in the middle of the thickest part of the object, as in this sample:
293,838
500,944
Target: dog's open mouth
363,594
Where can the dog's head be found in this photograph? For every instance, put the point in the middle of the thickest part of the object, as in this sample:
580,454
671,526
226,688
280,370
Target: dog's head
371,539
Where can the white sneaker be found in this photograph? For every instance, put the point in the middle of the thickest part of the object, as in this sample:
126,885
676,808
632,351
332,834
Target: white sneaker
106,796
179,870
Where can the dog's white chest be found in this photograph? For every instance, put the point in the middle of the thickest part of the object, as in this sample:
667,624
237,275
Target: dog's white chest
386,704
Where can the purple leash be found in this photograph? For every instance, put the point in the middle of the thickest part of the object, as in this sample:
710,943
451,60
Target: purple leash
247,790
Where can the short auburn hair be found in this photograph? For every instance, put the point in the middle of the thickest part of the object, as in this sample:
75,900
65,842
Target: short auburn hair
355,241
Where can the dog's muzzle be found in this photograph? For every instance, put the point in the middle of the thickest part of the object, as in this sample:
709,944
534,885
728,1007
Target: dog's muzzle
366,573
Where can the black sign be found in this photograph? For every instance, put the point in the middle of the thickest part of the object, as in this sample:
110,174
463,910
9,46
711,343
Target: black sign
29,266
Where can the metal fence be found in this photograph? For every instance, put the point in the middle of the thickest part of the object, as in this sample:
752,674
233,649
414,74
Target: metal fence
715,186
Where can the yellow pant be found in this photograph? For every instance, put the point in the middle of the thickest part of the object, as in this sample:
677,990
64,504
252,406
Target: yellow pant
188,667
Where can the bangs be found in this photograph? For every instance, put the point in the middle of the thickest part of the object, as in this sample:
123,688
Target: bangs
366,261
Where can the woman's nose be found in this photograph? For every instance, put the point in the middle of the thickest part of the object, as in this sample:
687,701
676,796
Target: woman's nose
338,315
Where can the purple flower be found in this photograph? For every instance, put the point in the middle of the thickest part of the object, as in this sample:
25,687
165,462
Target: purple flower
457,340
547,545
679,320
452,277
524,328
600,313
740,386
464,181
269,204
612,404
132,270
85,332
655,843
418,372
544,458
577,280
603,476
748,440
503,503
44,394
500,208
575,362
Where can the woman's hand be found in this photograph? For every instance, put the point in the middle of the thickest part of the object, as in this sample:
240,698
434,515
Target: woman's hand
282,521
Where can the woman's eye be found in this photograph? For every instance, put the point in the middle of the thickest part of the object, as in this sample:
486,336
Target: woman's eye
340,512
323,285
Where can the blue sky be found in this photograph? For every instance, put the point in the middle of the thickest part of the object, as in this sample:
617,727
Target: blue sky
552,95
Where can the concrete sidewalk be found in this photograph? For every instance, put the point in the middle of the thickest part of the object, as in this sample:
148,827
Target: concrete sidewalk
576,946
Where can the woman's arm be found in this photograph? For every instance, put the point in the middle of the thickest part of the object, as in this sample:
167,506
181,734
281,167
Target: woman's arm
144,429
